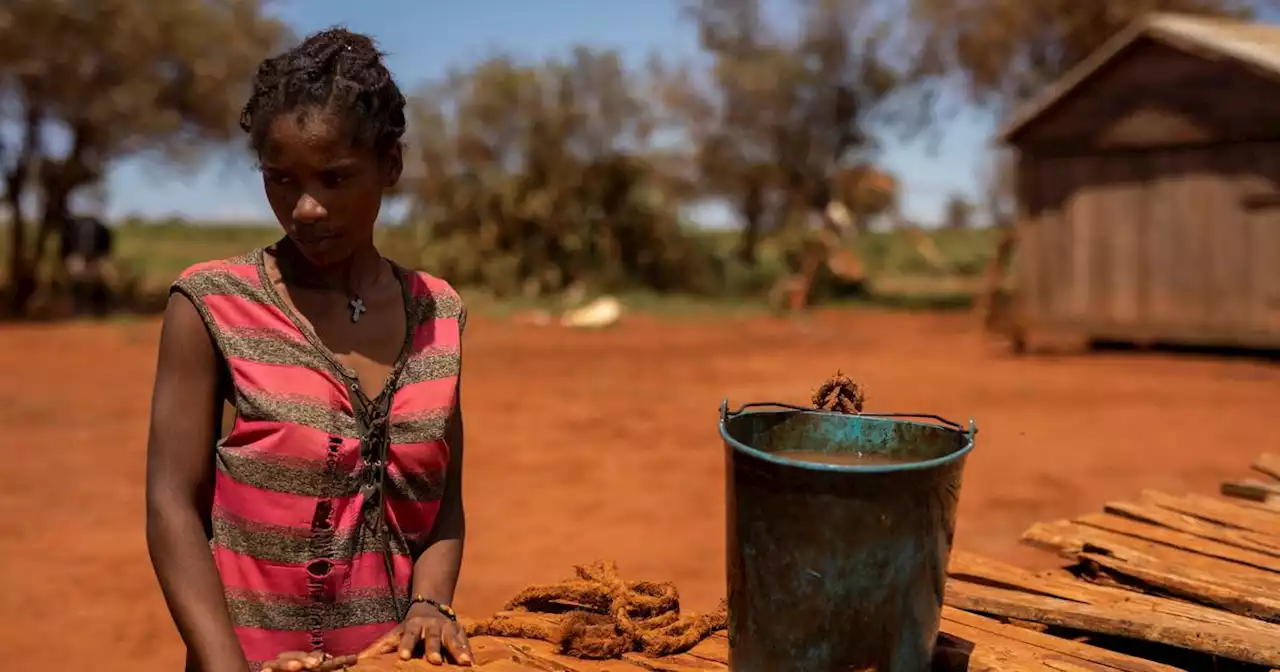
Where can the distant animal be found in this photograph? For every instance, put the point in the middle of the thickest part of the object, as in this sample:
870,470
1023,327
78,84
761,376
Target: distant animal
603,312
85,245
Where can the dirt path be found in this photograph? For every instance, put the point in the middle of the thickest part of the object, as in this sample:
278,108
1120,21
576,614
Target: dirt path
591,445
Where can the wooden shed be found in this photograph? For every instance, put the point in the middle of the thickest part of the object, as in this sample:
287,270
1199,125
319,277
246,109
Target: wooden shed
1148,188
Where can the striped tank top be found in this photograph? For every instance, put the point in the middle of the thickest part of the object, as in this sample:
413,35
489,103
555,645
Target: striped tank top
323,496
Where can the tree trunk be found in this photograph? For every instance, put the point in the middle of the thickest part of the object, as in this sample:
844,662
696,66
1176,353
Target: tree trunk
989,305
22,273
21,279
753,223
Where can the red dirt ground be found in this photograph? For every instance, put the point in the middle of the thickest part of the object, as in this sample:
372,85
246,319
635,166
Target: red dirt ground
604,445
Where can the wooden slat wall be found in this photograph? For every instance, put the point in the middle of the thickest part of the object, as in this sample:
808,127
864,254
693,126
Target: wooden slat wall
1167,243
1193,264
1266,261
1153,245
1123,239
1027,263
1261,230
1078,215
1230,254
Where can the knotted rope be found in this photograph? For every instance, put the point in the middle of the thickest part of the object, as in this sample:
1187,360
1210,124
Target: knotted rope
597,615
839,394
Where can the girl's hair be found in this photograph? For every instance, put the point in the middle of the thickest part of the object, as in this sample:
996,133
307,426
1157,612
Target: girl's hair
337,71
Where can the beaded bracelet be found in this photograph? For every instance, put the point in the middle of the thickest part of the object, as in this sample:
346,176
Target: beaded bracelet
442,608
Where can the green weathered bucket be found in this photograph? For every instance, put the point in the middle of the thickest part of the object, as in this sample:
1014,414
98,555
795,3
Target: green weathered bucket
838,566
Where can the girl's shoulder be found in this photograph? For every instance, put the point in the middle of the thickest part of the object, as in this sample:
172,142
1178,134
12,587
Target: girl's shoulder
227,291
434,298
220,275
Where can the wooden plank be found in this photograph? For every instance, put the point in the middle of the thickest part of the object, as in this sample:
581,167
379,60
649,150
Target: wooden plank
1238,597
543,655
986,632
1182,540
1256,506
536,654
986,572
1252,490
1230,592
1269,464
492,654
1219,511
1168,622
966,649
980,569
714,648
1070,540
1204,529
678,663
711,653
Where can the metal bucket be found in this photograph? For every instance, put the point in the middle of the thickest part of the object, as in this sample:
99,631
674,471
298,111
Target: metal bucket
838,566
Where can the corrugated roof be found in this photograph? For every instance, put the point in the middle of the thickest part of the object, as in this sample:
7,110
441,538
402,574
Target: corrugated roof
1253,43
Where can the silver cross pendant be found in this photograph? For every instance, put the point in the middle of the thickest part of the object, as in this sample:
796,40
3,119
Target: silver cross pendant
357,308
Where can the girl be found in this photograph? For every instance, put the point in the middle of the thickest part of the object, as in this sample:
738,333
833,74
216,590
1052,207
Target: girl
333,507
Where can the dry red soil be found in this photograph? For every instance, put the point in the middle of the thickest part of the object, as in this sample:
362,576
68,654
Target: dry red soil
604,445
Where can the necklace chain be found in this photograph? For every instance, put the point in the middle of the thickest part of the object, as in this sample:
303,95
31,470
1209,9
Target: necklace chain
355,302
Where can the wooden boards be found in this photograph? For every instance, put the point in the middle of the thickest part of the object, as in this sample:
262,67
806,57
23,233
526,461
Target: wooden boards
1192,575
1268,464
500,654
1265,491
1000,646
1196,573
968,642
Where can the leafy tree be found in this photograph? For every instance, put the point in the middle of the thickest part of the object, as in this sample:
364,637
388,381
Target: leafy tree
776,117
1002,52
958,212
535,177
85,83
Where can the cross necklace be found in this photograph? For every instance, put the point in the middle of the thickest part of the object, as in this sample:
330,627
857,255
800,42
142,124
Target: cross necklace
355,302
357,308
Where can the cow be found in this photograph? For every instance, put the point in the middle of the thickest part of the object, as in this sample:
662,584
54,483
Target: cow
85,249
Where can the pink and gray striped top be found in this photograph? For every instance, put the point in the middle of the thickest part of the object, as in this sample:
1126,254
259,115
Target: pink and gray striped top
323,496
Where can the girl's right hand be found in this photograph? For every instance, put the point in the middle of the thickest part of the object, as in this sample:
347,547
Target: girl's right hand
316,661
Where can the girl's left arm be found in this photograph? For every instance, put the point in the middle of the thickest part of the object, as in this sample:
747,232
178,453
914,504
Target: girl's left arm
435,572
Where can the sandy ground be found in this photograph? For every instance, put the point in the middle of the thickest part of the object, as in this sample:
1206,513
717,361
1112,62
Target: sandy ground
604,445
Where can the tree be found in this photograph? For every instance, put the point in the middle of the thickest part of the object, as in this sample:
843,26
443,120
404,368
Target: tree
958,212
108,79
1002,52
532,177
777,117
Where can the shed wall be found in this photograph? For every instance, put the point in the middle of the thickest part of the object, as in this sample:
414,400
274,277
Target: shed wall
1178,244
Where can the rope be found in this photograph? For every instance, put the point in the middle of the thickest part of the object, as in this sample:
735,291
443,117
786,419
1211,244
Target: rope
839,394
599,616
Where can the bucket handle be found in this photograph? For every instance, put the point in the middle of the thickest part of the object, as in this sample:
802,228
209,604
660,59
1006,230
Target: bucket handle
725,414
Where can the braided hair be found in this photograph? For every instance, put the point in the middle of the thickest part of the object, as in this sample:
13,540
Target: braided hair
339,72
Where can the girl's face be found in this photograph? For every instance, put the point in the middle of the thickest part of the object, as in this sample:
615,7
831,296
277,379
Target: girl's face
324,190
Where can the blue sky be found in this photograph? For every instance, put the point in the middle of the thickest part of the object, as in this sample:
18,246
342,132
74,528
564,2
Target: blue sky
423,38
